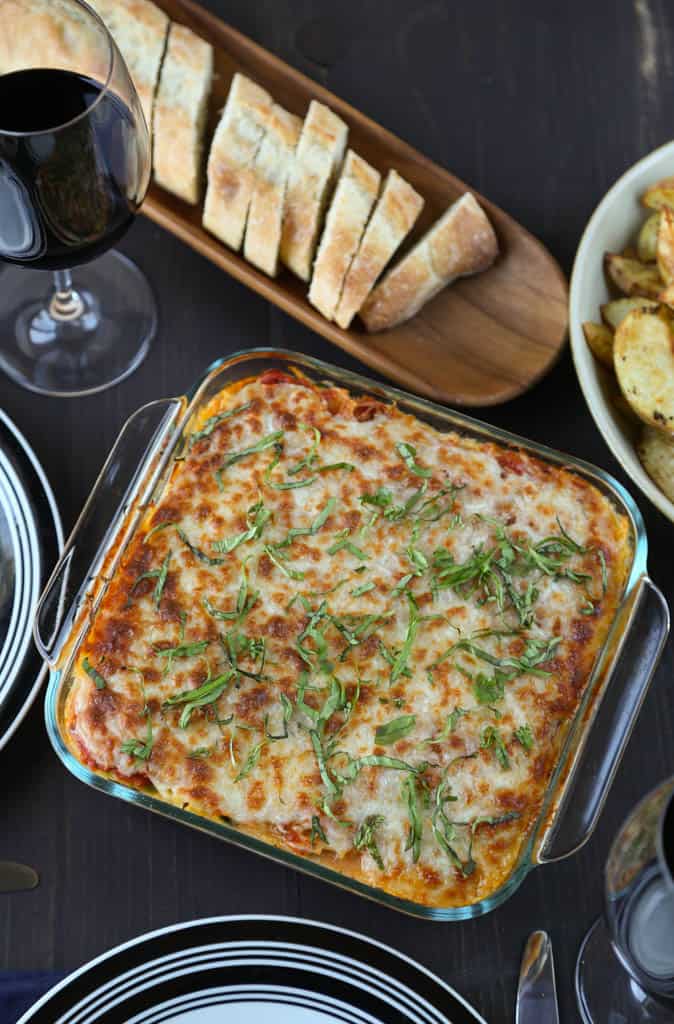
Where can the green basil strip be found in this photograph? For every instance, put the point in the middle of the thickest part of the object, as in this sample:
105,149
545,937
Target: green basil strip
415,831
364,588
265,442
394,730
408,454
257,518
317,831
161,580
365,838
197,552
525,736
214,421
158,528
93,674
251,761
293,574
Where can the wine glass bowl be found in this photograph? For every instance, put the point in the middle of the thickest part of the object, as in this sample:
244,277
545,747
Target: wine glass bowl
75,162
625,968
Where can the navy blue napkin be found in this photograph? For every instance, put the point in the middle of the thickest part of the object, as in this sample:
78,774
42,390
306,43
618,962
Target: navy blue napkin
20,989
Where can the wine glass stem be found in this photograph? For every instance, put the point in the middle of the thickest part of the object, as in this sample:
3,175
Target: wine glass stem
65,303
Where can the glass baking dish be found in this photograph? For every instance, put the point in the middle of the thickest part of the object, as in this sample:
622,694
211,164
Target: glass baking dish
133,476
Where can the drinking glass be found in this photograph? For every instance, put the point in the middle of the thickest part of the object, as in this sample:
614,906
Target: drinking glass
625,969
75,161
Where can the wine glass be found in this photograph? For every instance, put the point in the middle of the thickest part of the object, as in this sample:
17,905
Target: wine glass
75,165
625,969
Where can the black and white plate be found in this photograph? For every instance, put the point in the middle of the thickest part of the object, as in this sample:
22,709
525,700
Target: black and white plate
30,542
252,970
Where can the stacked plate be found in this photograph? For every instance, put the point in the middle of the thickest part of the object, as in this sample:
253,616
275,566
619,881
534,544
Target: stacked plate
252,970
30,541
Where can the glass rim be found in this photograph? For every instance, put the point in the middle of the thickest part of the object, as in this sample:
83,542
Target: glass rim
112,51
666,867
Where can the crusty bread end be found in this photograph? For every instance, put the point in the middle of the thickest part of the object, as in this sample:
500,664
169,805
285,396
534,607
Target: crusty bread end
318,158
180,113
461,242
397,209
230,163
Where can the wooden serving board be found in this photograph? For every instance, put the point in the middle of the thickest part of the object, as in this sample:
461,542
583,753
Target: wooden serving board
481,341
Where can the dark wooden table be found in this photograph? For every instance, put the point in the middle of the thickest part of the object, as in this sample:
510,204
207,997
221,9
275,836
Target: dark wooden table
541,107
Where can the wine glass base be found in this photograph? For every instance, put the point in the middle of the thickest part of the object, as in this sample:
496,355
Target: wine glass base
101,346
606,992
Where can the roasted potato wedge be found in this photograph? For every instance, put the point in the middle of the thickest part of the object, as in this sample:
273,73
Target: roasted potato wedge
665,246
648,239
613,313
643,357
619,402
659,195
600,339
633,277
656,454
667,295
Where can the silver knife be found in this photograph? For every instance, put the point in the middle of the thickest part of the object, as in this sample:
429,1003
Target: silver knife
537,992
16,877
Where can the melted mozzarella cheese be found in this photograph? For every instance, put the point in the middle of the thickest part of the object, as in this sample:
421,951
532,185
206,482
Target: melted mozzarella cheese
330,605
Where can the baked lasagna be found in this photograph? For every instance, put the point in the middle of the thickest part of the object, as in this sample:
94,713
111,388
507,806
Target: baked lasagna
351,635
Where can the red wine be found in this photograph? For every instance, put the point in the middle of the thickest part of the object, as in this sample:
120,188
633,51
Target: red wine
68,191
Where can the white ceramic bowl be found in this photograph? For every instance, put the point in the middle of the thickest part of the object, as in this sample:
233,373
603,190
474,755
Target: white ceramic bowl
613,225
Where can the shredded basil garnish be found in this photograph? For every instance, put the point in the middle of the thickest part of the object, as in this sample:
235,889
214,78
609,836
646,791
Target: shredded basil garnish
408,454
317,831
257,518
492,739
365,838
233,457
214,421
197,552
410,790
293,574
93,674
208,693
342,543
251,761
393,731
364,588
158,528
525,736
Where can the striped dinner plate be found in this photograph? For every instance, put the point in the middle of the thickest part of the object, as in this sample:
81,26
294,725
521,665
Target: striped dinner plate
30,542
252,970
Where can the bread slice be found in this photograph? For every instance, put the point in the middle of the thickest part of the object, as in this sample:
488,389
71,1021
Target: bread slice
461,242
270,170
397,209
140,29
181,109
319,156
230,163
351,205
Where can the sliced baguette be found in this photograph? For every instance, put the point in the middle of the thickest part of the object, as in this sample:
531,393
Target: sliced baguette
461,242
397,209
140,29
230,163
270,170
352,202
180,113
318,157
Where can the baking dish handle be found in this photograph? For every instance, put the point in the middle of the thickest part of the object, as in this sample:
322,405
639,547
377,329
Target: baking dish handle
127,478
596,761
